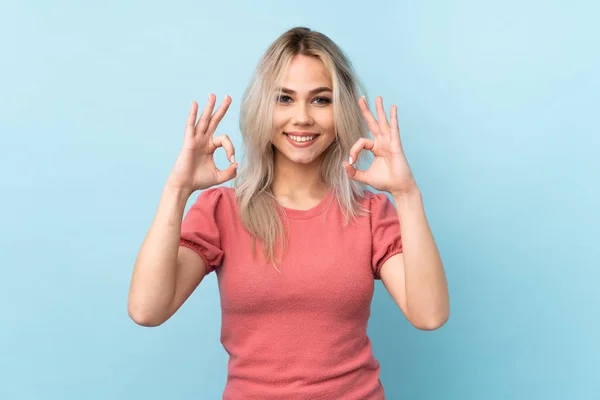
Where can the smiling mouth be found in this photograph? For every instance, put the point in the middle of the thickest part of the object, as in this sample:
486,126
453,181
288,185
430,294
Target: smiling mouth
301,139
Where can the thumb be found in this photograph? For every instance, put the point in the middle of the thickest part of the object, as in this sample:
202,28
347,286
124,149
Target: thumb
355,174
227,174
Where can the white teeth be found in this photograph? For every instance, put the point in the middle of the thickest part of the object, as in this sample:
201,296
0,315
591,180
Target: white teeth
301,139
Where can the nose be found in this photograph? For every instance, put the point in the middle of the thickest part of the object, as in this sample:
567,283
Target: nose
302,115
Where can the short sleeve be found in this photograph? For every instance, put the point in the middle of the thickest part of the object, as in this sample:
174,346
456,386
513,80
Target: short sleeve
385,232
199,229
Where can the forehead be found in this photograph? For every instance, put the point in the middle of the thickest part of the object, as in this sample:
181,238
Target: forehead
305,72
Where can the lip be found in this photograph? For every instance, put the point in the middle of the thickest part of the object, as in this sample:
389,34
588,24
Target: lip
301,133
301,145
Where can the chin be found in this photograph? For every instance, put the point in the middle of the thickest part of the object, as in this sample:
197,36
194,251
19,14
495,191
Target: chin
300,158
304,160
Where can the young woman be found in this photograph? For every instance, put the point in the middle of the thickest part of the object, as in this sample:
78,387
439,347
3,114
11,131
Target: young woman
298,242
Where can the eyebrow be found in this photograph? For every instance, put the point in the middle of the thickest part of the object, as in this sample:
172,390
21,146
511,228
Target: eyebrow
314,91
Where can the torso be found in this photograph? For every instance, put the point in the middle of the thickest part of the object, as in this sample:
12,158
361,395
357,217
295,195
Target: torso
302,328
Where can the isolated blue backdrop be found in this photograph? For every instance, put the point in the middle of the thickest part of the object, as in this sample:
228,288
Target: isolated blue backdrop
498,105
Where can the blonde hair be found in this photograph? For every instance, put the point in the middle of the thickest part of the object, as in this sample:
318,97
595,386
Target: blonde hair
256,203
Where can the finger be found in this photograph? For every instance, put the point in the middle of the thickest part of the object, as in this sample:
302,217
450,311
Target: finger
362,143
383,123
224,142
227,174
218,115
395,127
355,174
205,116
371,121
191,121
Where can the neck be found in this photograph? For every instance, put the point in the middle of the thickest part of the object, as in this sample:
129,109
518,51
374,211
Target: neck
293,179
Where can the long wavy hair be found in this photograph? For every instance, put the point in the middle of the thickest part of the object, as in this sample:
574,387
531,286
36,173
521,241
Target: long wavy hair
253,185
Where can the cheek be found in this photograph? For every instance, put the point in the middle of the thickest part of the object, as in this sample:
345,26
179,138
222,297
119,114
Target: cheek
327,122
278,126
276,121
279,121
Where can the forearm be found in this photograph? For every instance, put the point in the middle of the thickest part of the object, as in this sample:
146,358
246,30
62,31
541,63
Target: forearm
427,296
154,276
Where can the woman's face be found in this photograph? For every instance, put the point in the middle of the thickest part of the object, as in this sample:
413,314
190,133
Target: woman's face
303,117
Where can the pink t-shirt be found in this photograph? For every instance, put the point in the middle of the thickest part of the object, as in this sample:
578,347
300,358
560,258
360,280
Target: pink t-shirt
300,333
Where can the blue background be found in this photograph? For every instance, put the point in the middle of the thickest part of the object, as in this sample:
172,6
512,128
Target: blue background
499,115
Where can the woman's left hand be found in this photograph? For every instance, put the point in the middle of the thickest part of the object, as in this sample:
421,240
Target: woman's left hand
389,170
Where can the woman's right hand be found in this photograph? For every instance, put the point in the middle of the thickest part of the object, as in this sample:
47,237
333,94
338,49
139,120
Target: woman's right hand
195,167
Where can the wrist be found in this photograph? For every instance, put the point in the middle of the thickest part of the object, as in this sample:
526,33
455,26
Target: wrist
177,190
407,197
409,191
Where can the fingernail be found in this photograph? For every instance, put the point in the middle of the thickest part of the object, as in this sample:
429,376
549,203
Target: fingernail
232,158
350,160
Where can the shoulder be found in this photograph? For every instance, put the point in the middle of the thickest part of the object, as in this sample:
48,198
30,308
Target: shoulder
219,199
374,201
380,210
218,193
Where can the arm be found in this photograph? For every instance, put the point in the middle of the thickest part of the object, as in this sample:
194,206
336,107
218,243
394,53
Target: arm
415,278
164,274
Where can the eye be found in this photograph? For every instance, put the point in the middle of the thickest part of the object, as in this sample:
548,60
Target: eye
323,100
284,99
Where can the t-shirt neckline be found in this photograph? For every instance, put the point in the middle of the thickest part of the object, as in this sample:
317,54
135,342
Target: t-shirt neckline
311,212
